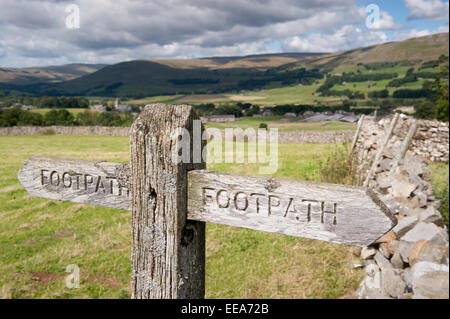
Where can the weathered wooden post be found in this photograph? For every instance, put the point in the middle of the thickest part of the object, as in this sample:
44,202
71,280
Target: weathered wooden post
168,251
381,150
355,138
405,147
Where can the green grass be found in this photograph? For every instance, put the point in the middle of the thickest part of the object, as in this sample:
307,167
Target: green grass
39,238
291,125
304,94
296,94
441,188
75,112
152,99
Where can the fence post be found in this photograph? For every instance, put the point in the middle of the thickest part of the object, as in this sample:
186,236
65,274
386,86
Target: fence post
405,147
355,138
381,150
168,251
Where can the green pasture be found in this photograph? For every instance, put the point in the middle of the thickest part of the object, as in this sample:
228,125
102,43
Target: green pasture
39,238
283,124
75,112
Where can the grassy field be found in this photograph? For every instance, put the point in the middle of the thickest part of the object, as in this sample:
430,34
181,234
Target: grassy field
440,183
285,95
276,122
75,112
300,94
297,94
39,238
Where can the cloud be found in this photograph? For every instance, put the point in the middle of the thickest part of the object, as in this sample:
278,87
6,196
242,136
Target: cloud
386,22
414,33
115,30
434,10
34,32
347,37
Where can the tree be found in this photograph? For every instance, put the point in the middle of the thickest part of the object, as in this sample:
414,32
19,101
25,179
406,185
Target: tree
425,110
30,118
59,117
382,94
15,116
229,109
386,107
85,118
441,84
10,117
108,119
254,109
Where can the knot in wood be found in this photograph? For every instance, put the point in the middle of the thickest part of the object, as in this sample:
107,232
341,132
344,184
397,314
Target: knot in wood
272,185
187,234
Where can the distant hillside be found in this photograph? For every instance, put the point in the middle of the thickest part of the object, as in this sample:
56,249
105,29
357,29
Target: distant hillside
261,61
33,75
418,50
141,78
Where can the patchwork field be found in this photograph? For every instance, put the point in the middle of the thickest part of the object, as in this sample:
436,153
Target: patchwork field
39,238
285,95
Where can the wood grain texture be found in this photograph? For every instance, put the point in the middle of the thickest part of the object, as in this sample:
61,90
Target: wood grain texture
79,181
355,138
168,251
405,147
334,213
246,199
385,142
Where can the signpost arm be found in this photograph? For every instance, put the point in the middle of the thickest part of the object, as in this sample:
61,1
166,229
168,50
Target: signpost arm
168,251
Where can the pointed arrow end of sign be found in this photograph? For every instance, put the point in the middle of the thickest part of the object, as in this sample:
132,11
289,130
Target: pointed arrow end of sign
385,210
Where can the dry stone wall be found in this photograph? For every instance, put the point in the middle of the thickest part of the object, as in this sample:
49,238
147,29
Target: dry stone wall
431,141
283,137
65,130
412,260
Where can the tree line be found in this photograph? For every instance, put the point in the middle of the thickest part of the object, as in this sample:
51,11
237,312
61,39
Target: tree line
17,117
438,107
48,101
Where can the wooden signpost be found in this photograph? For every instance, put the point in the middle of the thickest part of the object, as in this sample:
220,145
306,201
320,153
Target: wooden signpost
170,202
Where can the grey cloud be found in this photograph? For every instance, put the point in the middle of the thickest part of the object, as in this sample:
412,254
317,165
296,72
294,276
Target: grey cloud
435,10
131,23
28,14
34,31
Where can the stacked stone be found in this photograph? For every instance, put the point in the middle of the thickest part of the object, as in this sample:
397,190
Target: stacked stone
328,136
431,141
412,260
65,130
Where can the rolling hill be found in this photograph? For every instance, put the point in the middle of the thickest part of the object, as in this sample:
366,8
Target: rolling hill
33,75
414,50
217,75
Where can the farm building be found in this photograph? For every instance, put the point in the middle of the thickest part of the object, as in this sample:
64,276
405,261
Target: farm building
27,107
121,108
98,108
218,118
